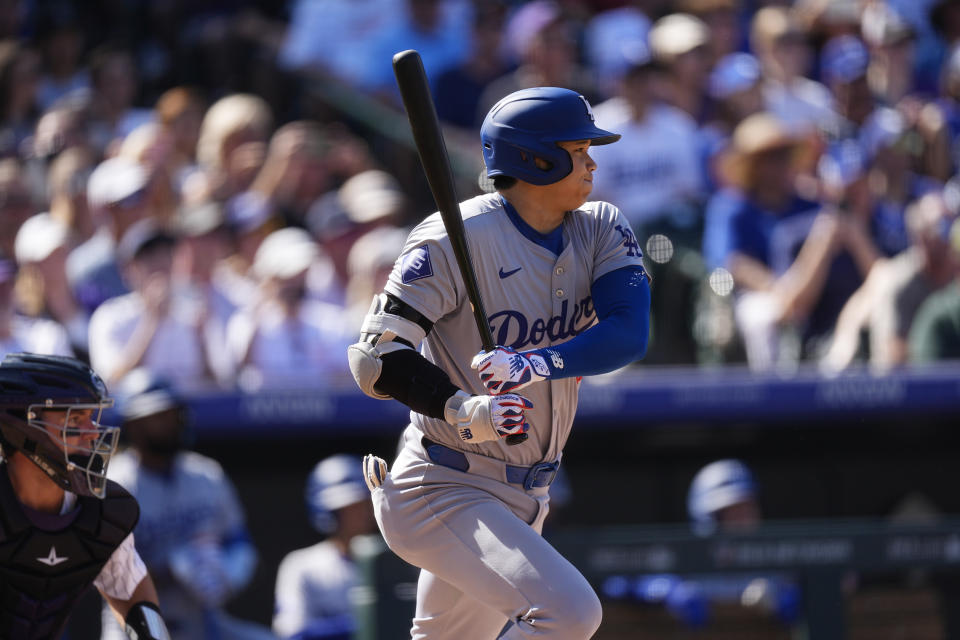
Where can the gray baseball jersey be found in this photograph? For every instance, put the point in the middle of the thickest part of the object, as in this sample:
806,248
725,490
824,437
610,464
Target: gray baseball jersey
533,299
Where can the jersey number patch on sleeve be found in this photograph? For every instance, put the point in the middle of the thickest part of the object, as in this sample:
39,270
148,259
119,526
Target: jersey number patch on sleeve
416,265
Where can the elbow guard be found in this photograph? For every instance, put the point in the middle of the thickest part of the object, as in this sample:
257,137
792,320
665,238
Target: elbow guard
394,370
385,363
143,622
389,326
366,364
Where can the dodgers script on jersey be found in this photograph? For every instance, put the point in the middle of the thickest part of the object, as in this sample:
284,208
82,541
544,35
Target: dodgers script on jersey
533,299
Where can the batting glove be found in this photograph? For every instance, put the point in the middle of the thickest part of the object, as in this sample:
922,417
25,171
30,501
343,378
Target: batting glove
504,370
487,418
374,471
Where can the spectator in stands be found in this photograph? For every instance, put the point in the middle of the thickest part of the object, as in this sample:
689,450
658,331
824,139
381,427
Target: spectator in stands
438,29
891,41
540,38
723,21
369,199
887,303
734,86
679,42
116,196
889,149
333,37
369,264
232,146
458,91
935,334
844,62
152,326
61,40
67,191
16,203
615,37
657,175
826,19
41,251
191,534
947,109
285,338
315,584
250,219
180,113
781,46
202,242
294,175
779,247
23,334
113,76
19,74
151,148
64,126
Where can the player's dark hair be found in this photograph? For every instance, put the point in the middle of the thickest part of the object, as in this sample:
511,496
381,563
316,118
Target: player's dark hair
501,183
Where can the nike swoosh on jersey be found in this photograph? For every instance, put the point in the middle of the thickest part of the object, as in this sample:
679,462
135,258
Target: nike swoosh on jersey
507,274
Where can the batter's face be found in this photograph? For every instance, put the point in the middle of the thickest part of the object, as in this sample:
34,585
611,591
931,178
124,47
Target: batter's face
571,192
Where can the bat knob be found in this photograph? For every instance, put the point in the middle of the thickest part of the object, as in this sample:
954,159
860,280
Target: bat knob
516,438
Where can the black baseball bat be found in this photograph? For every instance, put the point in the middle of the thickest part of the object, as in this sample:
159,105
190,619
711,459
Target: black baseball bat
422,114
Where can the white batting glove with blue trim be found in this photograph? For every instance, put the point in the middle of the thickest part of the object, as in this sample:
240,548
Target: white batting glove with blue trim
504,370
487,418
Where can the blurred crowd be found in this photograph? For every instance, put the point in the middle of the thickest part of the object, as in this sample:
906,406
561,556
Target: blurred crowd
205,190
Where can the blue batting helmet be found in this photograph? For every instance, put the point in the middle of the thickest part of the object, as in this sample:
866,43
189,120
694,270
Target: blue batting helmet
336,482
529,123
718,485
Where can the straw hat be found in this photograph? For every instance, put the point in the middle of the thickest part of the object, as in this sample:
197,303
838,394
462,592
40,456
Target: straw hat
757,134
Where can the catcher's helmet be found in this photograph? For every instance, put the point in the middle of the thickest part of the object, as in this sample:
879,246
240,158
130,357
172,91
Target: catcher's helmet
718,485
529,123
31,384
336,482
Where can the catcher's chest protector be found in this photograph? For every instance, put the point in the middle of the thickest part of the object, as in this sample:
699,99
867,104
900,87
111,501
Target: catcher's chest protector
46,561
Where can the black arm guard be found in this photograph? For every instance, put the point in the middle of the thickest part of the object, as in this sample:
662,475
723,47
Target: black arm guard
416,382
144,623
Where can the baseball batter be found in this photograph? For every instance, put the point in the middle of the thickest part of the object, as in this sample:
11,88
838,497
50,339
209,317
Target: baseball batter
566,294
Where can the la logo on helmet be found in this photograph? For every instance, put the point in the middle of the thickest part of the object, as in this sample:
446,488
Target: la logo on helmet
589,108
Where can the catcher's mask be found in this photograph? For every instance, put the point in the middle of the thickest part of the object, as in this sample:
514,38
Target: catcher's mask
50,408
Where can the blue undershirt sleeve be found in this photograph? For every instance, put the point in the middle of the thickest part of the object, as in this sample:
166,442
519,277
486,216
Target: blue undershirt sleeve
622,302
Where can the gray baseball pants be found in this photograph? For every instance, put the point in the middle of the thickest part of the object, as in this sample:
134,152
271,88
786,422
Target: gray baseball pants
483,561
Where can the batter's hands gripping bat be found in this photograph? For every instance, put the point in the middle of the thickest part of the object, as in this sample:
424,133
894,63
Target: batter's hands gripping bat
412,80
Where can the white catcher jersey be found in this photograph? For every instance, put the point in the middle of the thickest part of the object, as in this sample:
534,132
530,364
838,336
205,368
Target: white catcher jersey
532,297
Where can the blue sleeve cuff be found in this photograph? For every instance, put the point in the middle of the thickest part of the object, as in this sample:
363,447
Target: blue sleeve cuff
622,302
